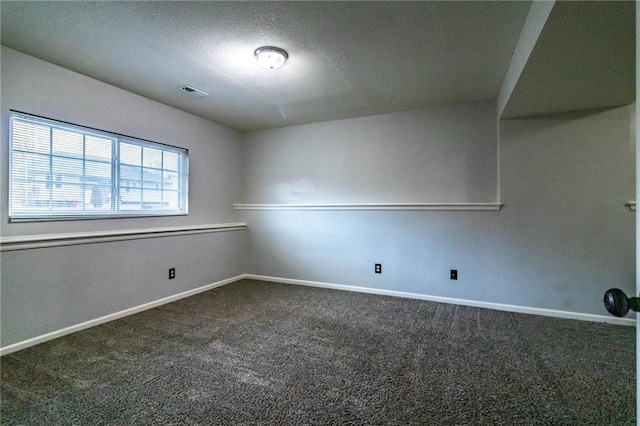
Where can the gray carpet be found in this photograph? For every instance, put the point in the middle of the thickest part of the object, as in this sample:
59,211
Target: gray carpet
263,353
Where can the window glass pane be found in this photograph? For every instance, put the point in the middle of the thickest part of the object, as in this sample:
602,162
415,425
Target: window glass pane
151,199
97,173
69,143
152,178
170,180
130,173
171,200
66,196
30,166
29,136
152,157
130,154
98,148
171,161
130,200
97,197
26,196
66,168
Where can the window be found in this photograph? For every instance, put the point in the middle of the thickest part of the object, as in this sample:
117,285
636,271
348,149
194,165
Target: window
64,171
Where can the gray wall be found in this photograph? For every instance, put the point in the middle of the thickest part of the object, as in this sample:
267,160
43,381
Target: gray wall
562,238
45,290
48,289
38,87
445,154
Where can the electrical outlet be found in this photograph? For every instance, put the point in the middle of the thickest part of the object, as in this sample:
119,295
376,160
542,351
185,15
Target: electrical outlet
378,268
172,273
454,274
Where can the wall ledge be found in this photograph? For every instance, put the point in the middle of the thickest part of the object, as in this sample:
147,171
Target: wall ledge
631,205
375,206
25,242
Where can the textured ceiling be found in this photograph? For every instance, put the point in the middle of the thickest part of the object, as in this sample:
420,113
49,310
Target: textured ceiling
346,59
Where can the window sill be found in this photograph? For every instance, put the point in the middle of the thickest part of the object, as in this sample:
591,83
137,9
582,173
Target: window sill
62,217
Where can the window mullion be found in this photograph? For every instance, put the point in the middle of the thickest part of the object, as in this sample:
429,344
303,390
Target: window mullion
162,181
142,178
115,175
181,183
83,181
50,174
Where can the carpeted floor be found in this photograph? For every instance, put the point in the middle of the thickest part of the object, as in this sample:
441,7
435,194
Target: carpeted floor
264,353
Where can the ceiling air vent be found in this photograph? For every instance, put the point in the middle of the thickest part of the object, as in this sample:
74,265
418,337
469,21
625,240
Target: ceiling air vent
193,92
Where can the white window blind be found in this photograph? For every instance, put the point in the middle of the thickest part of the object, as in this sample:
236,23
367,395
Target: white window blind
64,171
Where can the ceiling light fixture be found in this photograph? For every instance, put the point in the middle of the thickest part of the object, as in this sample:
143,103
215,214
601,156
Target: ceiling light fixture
271,57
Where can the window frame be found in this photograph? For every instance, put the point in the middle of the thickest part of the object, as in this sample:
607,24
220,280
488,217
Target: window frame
116,186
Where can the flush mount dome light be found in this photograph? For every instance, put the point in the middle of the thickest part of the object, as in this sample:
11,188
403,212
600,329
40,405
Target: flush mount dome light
271,57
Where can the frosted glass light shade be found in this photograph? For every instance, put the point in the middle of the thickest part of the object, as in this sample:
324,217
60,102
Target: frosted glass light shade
271,57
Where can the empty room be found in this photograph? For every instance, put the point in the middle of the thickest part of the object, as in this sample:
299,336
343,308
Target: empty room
297,213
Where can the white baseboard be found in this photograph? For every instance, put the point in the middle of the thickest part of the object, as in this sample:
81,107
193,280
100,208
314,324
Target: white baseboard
449,300
134,310
464,302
